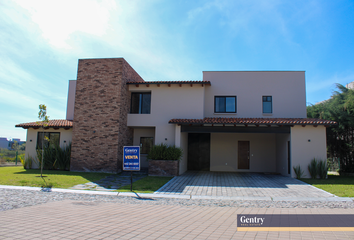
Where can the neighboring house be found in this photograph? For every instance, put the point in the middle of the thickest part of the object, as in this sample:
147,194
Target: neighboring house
7,144
231,121
4,143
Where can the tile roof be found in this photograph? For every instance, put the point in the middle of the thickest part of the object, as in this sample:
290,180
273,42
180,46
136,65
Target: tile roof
256,121
56,123
170,82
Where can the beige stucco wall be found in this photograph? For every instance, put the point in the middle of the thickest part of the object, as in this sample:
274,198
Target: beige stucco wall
168,103
31,140
282,153
224,152
71,100
143,132
302,151
287,89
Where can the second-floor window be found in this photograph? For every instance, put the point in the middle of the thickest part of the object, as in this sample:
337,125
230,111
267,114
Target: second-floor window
141,102
267,104
225,104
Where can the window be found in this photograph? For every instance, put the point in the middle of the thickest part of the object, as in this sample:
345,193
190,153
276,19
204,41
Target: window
267,104
146,144
225,104
54,138
140,103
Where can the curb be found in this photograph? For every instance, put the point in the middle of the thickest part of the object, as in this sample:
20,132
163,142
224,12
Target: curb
175,196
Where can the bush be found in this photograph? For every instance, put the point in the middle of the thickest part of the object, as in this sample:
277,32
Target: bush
298,171
164,152
313,168
9,155
27,162
322,169
55,157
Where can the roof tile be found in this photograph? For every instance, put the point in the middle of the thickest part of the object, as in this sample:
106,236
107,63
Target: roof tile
260,121
170,82
56,123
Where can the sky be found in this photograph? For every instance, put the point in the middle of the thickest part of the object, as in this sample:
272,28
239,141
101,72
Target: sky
42,40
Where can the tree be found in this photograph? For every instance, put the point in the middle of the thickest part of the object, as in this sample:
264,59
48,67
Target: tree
340,138
44,120
15,146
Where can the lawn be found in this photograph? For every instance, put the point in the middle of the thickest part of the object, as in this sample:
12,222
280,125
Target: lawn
17,176
342,186
146,185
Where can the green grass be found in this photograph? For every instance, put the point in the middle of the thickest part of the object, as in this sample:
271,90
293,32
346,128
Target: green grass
342,186
146,185
18,176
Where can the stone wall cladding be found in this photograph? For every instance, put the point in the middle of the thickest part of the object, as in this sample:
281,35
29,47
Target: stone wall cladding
163,168
102,102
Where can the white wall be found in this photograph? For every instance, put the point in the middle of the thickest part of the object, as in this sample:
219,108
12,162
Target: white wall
143,132
303,151
286,87
71,100
168,103
224,152
31,140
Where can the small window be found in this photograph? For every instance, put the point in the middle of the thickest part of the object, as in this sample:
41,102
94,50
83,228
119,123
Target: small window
140,103
225,104
146,144
267,104
54,138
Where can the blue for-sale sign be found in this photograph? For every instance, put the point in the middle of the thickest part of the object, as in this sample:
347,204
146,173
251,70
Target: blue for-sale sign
131,158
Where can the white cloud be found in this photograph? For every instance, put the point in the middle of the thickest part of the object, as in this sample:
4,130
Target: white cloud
58,20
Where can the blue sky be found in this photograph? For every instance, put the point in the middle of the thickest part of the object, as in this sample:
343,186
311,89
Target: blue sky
41,42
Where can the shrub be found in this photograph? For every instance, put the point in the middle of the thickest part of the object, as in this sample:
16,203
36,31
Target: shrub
27,162
298,171
55,157
164,152
9,155
322,169
313,168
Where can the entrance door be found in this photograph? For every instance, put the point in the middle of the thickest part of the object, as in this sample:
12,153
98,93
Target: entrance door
243,155
199,151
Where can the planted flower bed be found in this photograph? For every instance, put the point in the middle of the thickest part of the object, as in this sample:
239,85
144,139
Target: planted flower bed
164,160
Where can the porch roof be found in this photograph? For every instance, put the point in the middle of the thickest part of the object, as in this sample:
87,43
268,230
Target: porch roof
254,121
168,82
56,124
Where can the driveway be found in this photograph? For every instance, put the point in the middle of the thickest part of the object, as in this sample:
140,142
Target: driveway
257,186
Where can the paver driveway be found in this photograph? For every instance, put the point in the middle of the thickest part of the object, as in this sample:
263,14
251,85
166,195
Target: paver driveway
245,185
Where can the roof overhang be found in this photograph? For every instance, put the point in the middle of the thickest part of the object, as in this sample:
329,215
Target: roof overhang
169,83
55,124
256,122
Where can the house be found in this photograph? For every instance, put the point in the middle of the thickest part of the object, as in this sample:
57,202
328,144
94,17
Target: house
8,144
231,121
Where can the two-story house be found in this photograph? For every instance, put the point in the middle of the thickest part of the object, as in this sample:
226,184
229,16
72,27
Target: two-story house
231,121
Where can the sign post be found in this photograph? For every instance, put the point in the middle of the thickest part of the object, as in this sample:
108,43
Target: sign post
131,161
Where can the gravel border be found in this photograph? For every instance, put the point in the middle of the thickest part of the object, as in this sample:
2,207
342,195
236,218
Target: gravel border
18,198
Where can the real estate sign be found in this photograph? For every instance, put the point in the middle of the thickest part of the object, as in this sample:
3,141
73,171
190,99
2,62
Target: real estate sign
131,158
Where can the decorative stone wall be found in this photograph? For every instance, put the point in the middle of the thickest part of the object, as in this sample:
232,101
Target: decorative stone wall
163,168
102,102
